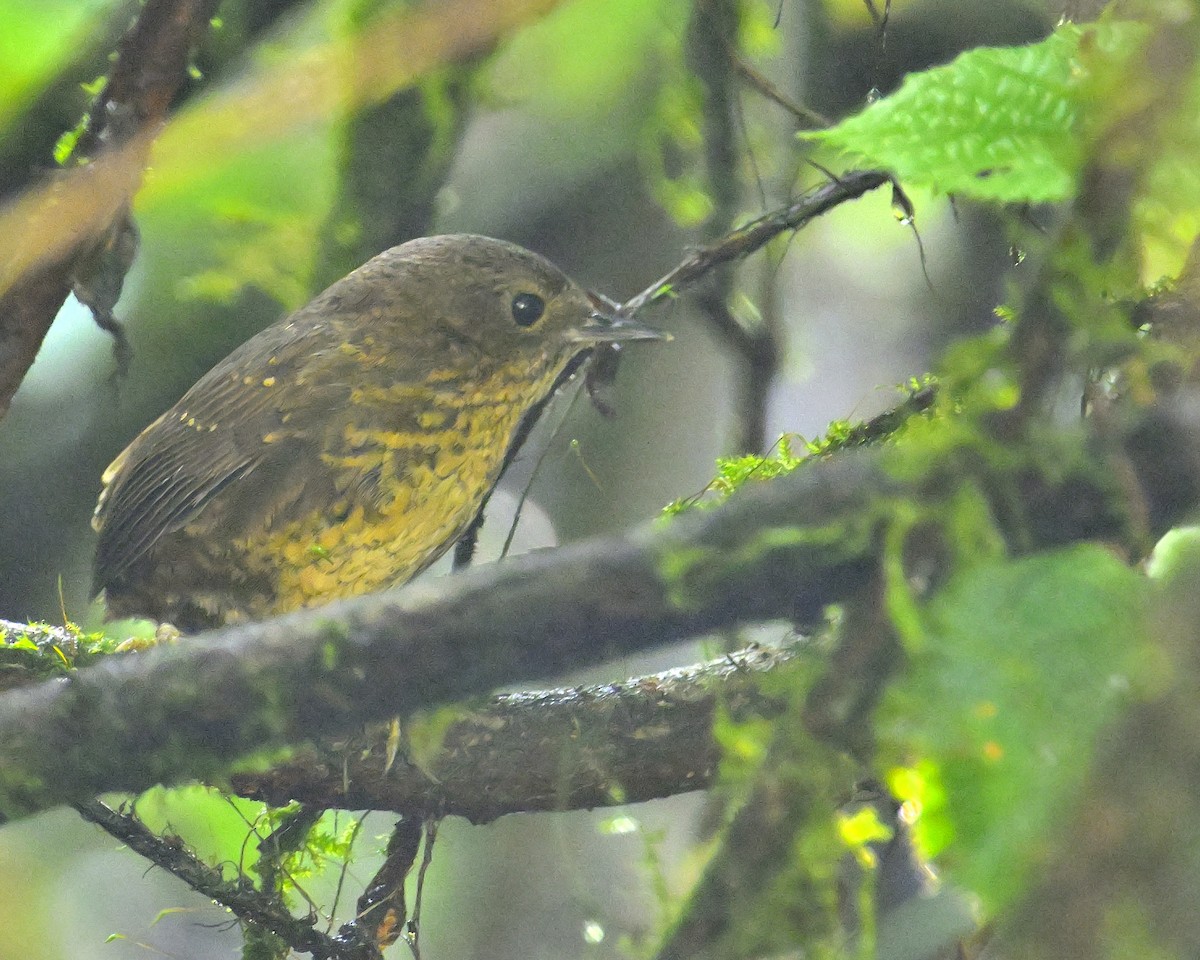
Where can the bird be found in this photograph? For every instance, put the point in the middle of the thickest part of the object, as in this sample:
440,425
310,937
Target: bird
347,446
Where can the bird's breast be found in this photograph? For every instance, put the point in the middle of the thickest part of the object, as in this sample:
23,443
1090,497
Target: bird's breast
410,466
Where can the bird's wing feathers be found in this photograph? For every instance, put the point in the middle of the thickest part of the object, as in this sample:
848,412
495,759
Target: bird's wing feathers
211,438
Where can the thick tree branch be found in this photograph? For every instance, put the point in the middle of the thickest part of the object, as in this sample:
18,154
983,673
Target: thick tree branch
783,550
189,709
570,749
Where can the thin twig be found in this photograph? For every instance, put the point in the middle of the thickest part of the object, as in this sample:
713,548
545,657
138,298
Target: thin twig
746,240
239,897
885,424
809,119
413,933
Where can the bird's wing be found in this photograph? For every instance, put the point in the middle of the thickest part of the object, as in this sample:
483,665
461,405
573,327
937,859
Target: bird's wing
209,440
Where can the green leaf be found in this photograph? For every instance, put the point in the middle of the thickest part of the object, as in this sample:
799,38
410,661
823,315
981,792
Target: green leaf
999,123
1025,663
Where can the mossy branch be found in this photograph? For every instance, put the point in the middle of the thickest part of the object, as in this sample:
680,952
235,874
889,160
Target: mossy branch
785,550
238,896
568,749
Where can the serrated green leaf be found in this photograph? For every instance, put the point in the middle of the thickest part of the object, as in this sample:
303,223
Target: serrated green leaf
999,123
1026,662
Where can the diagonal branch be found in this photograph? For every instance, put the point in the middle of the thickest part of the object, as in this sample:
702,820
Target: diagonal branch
245,902
785,549
756,234
151,66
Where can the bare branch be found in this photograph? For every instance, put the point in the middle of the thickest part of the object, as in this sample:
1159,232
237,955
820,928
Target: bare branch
745,240
807,118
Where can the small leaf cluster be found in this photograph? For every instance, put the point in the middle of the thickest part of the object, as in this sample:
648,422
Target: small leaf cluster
36,651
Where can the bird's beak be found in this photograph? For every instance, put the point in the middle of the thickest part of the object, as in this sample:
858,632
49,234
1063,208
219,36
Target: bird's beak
604,326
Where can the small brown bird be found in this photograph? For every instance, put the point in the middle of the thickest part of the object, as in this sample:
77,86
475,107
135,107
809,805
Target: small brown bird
347,446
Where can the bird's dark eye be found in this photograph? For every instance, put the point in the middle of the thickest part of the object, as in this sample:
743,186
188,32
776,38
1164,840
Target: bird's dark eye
527,308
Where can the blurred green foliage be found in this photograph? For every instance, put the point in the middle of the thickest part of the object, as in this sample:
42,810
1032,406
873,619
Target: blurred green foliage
1016,667
1028,661
1016,124
35,40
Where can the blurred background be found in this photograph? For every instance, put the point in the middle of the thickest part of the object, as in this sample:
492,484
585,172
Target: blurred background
302,146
